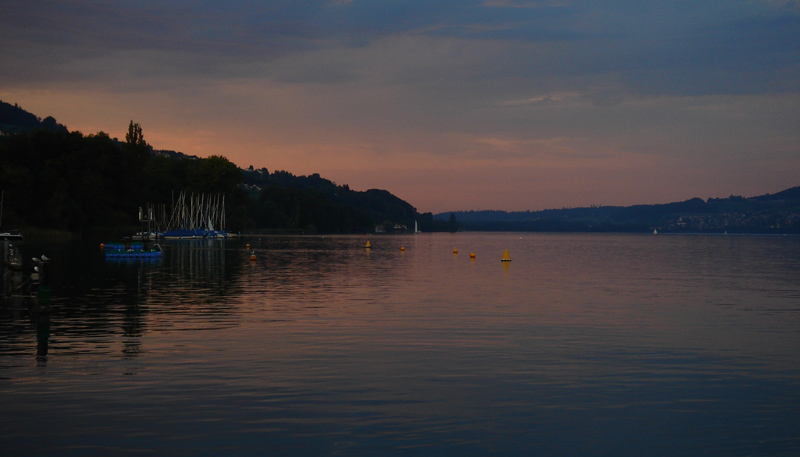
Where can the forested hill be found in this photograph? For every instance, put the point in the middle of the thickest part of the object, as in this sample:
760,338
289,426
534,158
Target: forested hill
281,199
92,184
768,214
14,119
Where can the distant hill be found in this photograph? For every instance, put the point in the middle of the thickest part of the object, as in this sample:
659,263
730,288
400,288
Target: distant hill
318,204
767,214
14,119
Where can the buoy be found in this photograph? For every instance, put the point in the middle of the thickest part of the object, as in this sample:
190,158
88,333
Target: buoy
402,248
471,255
247,246
252,256
368,246
455,251
506,257
102,246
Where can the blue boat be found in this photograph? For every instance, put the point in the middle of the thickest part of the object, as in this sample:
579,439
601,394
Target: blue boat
132,250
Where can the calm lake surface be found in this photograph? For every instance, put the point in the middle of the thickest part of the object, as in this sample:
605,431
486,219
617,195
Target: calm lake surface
582,345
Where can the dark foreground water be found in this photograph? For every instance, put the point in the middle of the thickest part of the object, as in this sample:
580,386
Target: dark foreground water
582,345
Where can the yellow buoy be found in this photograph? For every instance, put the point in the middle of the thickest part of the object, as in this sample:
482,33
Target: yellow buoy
247,246
471,255
368,246
506,257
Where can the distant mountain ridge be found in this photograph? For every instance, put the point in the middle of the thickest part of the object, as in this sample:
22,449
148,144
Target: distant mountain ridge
768,214
788,194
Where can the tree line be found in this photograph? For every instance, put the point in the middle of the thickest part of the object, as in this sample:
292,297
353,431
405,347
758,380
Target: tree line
94,185
91,183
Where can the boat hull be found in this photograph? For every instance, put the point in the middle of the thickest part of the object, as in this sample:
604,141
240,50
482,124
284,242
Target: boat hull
133,254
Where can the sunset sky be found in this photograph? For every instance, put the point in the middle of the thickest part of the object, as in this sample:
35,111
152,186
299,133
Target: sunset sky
450,105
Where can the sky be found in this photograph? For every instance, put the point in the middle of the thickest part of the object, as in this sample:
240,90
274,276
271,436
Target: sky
450,105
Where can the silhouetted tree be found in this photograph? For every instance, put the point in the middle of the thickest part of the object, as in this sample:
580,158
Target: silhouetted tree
134,137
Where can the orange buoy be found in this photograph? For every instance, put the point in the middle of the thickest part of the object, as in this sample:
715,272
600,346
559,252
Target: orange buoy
252,256
506,257
471,255
455,251
402,248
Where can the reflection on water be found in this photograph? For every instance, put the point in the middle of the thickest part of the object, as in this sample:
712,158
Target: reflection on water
582,345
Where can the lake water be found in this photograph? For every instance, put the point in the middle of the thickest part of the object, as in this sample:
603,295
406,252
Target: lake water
582,345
